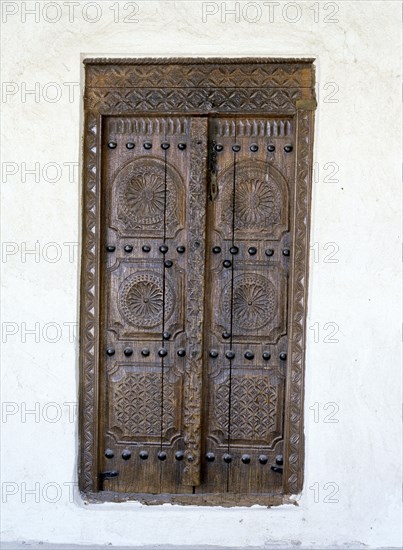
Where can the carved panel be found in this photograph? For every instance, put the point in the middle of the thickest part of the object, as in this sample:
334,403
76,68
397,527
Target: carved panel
106,100
252,299
254,410
134,415
140,189
199,73
141,299
261,201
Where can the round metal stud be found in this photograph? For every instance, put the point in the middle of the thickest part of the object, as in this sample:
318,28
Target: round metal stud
112,145
182,146
254,148
227,458
227,263
162,455
213,353
210,457
245,459
252,250
249,355
181,352
145,352
146,248
269,252
279,460
179,455
230,354
226,335
236,148
130,145
288,148
234,250
190,458
166,335
111,248
128,248
266,355
162,352
263,459
219,148
168,263
283,356
216,249
109,453
143,455
180,249
164,248
165,145
286,251
128,352
147,145
271,148
126,454
110,352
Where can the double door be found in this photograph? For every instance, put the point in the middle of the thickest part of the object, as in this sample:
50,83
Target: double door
196,263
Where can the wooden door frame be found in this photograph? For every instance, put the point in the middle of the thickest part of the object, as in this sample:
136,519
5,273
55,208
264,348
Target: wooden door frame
196,86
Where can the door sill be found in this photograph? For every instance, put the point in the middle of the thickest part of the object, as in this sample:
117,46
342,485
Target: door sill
206,499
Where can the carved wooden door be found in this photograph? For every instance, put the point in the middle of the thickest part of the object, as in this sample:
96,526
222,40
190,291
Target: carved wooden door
194,358
245,354
196,207
154,200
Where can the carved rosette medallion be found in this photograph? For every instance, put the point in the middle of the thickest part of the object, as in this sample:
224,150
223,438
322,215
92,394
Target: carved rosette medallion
143,188
141,299
254,301
257,198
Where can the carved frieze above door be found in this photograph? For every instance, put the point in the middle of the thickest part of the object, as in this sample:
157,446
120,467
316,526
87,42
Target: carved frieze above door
194,272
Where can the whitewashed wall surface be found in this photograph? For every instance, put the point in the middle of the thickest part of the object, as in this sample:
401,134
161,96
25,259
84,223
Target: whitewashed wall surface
351,496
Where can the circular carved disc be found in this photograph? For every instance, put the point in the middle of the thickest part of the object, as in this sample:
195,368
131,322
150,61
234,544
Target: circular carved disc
254,301
141,299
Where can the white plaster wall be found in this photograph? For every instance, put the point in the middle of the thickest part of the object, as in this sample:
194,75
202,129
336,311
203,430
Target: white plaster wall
359,212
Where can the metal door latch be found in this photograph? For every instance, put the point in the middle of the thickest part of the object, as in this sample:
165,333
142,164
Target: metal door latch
279,463
108,475
212,160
